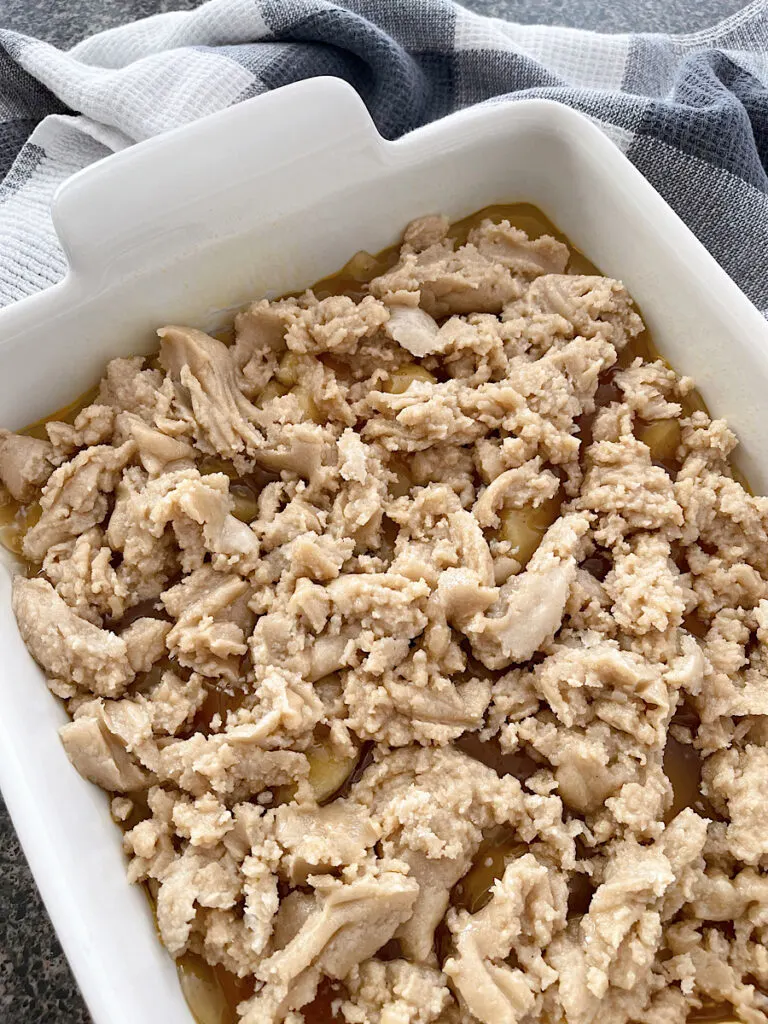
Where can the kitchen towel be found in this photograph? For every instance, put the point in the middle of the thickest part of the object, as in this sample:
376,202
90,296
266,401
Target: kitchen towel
690,111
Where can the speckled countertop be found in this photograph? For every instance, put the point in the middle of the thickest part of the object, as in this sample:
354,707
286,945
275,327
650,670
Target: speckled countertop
36,986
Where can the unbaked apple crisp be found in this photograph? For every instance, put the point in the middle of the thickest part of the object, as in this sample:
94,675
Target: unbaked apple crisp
420,635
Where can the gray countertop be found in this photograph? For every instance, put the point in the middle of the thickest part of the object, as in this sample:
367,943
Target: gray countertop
64,22
36,986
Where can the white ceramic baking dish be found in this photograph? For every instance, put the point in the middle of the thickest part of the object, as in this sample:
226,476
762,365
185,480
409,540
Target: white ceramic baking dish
260,199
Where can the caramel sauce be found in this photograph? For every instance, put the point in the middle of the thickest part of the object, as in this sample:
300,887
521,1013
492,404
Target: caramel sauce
682,767
714,1013
580,891
528,218
139,812
320,1010
490,753
363,266
213,993
356,273
498,849
598,565
15,520
144,609
67,414
696,625
217,702
15,516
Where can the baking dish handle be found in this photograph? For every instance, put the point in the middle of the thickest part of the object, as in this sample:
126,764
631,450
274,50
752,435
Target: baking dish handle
108,212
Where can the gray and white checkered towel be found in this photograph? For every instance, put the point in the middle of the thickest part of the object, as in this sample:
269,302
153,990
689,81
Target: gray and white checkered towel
690,111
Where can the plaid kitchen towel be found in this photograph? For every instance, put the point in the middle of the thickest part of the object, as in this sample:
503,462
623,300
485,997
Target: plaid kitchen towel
690,111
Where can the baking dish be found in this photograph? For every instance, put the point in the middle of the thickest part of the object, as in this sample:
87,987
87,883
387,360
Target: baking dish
264,198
